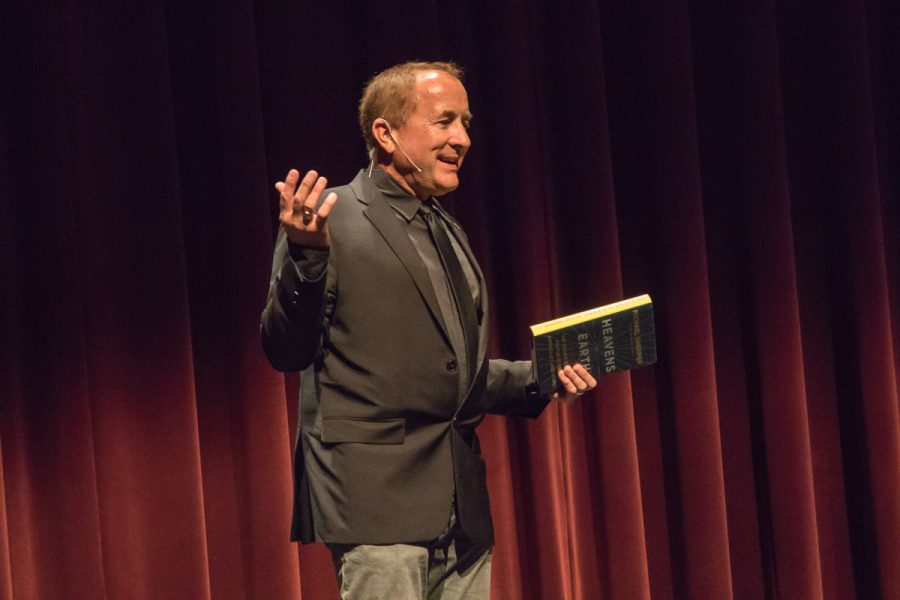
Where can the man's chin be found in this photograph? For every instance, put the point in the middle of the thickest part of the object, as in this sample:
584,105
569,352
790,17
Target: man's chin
446,185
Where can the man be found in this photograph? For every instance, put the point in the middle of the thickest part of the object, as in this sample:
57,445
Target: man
376,297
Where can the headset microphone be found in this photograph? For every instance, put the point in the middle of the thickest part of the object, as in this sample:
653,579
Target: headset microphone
411,161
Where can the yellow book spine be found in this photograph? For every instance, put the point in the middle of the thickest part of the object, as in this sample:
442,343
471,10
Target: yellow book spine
589,315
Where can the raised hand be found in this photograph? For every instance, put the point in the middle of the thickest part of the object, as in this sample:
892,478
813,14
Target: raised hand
303,222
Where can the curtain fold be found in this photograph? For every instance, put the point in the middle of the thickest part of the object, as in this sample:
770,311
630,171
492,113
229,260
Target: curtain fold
755,146
5,563
736,162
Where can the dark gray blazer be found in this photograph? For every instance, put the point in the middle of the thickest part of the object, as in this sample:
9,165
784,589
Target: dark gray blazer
384,437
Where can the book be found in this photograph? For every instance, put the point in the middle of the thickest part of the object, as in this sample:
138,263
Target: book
608,339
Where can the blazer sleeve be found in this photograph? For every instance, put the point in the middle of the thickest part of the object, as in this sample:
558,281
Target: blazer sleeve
512,390
291,322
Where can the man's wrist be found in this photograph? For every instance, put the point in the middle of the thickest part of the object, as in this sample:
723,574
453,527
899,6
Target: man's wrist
309,261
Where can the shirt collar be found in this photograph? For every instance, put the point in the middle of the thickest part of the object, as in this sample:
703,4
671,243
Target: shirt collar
401,200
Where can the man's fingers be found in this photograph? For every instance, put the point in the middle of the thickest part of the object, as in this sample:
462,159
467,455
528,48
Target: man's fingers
312,199
284,201
307,193
289,183
578,380
327,204
566,380
305,186
299,210
584,375
286,191
569,391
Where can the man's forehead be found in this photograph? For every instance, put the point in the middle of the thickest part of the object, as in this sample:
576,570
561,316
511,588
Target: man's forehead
436,82
430,75
438,86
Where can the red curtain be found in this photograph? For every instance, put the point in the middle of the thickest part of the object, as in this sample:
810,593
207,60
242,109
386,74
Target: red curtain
736,161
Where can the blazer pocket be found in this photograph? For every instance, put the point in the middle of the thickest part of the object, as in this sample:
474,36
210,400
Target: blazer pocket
336,430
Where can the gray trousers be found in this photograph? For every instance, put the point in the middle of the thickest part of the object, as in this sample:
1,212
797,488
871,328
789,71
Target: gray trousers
428,571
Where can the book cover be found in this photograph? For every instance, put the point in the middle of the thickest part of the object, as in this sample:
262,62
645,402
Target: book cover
608,339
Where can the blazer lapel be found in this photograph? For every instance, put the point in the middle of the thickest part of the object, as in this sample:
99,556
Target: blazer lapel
389,226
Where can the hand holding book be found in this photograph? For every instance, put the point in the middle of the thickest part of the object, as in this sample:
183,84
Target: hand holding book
575,380
604,340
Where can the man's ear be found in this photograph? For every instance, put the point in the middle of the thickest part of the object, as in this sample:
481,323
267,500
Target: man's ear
381,132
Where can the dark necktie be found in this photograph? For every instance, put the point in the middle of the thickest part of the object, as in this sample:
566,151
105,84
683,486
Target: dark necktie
459,285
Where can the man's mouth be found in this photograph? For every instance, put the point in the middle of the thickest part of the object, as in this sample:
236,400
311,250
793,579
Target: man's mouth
449,161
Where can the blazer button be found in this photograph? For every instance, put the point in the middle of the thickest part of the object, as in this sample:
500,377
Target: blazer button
451,366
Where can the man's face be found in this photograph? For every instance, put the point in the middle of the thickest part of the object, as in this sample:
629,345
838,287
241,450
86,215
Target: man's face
434,136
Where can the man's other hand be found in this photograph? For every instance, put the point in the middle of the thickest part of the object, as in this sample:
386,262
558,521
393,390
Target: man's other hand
303,220
575,380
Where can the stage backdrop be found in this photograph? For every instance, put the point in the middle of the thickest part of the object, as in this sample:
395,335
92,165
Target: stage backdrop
737,161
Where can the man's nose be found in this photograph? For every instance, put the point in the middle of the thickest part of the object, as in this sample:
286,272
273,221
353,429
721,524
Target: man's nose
460,137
